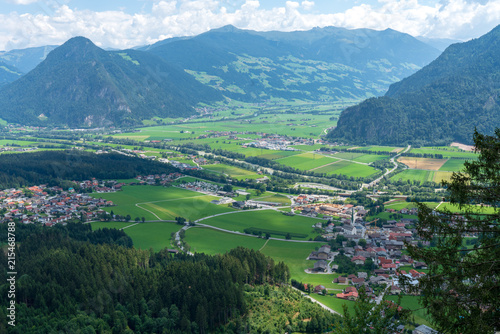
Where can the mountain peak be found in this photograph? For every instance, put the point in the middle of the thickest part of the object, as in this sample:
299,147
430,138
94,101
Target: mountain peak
78,49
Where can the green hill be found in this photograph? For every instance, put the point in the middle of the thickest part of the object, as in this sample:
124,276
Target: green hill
441,103
332,64
79,84
8,73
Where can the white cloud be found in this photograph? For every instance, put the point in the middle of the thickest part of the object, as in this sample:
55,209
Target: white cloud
461,19
307,5
22,2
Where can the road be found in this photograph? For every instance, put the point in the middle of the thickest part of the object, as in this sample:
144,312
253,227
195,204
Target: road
315,301
388,171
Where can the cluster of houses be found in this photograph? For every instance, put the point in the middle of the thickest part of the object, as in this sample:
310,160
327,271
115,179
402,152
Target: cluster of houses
50,205
154,179
17,149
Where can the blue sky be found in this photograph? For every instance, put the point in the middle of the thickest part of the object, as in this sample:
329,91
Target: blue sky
128,23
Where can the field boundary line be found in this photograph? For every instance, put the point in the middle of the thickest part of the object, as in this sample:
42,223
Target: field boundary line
331,163
151,212
128,226
170,200
264,245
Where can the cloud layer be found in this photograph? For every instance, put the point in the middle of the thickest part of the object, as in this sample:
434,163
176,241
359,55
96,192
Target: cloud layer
55,23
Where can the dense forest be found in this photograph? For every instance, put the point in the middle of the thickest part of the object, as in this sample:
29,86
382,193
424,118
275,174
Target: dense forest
441,103
77,281
56,167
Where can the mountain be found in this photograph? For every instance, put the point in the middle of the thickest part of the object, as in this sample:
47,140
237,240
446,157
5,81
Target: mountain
79,84
332,64
439,43
441,103
8,73
26,59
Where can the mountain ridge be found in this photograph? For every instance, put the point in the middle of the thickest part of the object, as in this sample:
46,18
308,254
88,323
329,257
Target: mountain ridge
441,103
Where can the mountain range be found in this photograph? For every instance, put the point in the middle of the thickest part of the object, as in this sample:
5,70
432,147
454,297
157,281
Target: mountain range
79,84
441,103
322,64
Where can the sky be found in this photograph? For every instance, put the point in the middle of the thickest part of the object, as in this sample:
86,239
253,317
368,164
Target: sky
128,23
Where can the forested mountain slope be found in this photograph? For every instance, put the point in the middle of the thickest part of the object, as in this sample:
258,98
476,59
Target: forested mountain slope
441,103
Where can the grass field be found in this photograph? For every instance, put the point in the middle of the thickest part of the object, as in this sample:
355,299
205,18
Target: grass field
277,198
412,303
265,220
452,165
334,303
209,241
446,151
306,161
414,175
154,235
153,203
117,225
234,172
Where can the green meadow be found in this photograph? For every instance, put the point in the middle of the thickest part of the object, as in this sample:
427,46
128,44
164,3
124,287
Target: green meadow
232,171
155,235
270,221
154,202
210,241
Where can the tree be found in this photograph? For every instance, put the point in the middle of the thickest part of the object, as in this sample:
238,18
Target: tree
370,317
462,287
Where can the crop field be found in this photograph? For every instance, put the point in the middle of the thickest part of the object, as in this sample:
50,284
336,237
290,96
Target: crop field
408,205
159,203
273,155
422,163
367,158
440,176
446,151
384,149
209,241
414,175
347,168
234,172
348,155
277,198
306,161
453,165
266,220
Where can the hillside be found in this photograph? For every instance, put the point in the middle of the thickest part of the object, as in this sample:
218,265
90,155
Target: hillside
79,84
8,73
332,64
26,59
441,103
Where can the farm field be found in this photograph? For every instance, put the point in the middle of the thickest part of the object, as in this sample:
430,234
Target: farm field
306,161
347,168
422,175
160,203
234,172
277,198
267,221
453,165
210,241
367,158
446,151
422,163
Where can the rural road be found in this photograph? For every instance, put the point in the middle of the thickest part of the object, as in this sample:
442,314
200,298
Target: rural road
388,171
315,301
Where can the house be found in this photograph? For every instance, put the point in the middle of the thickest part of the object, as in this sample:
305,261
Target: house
357,281
419,265
341,280
358,259
319,288
320,266
350,293
395,290
239,204
423,329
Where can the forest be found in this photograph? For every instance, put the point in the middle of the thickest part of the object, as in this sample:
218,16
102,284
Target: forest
75,280
57,167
